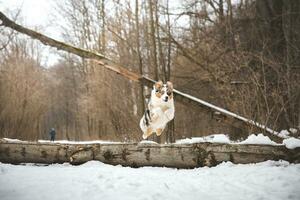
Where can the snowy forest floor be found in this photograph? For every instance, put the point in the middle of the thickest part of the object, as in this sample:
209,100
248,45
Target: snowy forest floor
95,180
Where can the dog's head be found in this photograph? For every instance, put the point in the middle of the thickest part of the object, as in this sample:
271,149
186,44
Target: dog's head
163,92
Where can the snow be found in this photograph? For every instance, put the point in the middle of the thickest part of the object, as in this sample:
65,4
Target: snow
291,143
95,180
217,138
258,139
12,140
293,130
79,142
221,138
284,133
147,142
65,141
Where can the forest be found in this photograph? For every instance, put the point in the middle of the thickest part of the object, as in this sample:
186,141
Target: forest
241,55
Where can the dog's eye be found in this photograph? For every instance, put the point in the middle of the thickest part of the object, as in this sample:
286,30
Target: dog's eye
157,90
169,93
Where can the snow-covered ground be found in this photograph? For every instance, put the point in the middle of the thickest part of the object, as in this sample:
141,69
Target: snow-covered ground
95,180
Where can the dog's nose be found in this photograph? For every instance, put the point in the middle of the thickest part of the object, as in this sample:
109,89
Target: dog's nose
166,98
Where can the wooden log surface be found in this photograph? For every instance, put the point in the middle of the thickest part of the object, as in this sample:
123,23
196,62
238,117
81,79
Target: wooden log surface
144,154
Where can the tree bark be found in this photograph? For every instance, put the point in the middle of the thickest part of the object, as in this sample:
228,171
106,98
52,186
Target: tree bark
153,40
138,50
103,38
168,67
144,154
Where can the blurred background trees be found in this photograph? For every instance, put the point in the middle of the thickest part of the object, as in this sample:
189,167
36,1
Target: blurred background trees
240,55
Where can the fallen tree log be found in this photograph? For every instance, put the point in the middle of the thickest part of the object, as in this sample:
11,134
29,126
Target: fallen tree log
144,154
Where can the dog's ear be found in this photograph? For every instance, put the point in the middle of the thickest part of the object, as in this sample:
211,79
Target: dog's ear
170,85
158,84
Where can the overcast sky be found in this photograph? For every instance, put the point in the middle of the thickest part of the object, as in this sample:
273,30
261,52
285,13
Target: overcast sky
36,14
40,15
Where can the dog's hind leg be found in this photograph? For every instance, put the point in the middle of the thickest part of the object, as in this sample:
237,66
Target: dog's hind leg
148,132
159,131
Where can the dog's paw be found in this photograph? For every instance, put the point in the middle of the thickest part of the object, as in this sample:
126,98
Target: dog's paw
159,131
145,136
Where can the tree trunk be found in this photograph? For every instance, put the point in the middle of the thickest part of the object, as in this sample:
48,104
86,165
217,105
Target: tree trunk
153,40
168,75
144,154
103,39
138,50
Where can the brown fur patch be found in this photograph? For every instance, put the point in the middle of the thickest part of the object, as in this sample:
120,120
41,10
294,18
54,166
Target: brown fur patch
149,132
158,94
159,131
158,85
170,89
170,85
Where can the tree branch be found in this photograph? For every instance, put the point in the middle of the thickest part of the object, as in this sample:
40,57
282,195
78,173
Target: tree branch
99,58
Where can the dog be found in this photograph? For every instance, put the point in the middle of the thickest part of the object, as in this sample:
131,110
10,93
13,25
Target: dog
160,109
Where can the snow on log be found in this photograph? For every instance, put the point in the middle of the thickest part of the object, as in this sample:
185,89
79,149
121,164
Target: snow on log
144,154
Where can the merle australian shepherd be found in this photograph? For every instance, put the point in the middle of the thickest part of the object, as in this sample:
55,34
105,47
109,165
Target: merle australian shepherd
160,109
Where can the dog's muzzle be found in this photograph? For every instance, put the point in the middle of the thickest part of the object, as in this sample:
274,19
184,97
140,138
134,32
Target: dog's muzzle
166,99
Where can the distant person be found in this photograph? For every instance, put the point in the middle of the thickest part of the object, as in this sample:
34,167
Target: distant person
52,134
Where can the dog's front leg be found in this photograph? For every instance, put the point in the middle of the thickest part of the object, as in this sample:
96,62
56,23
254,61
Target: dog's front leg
155,113
169,114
